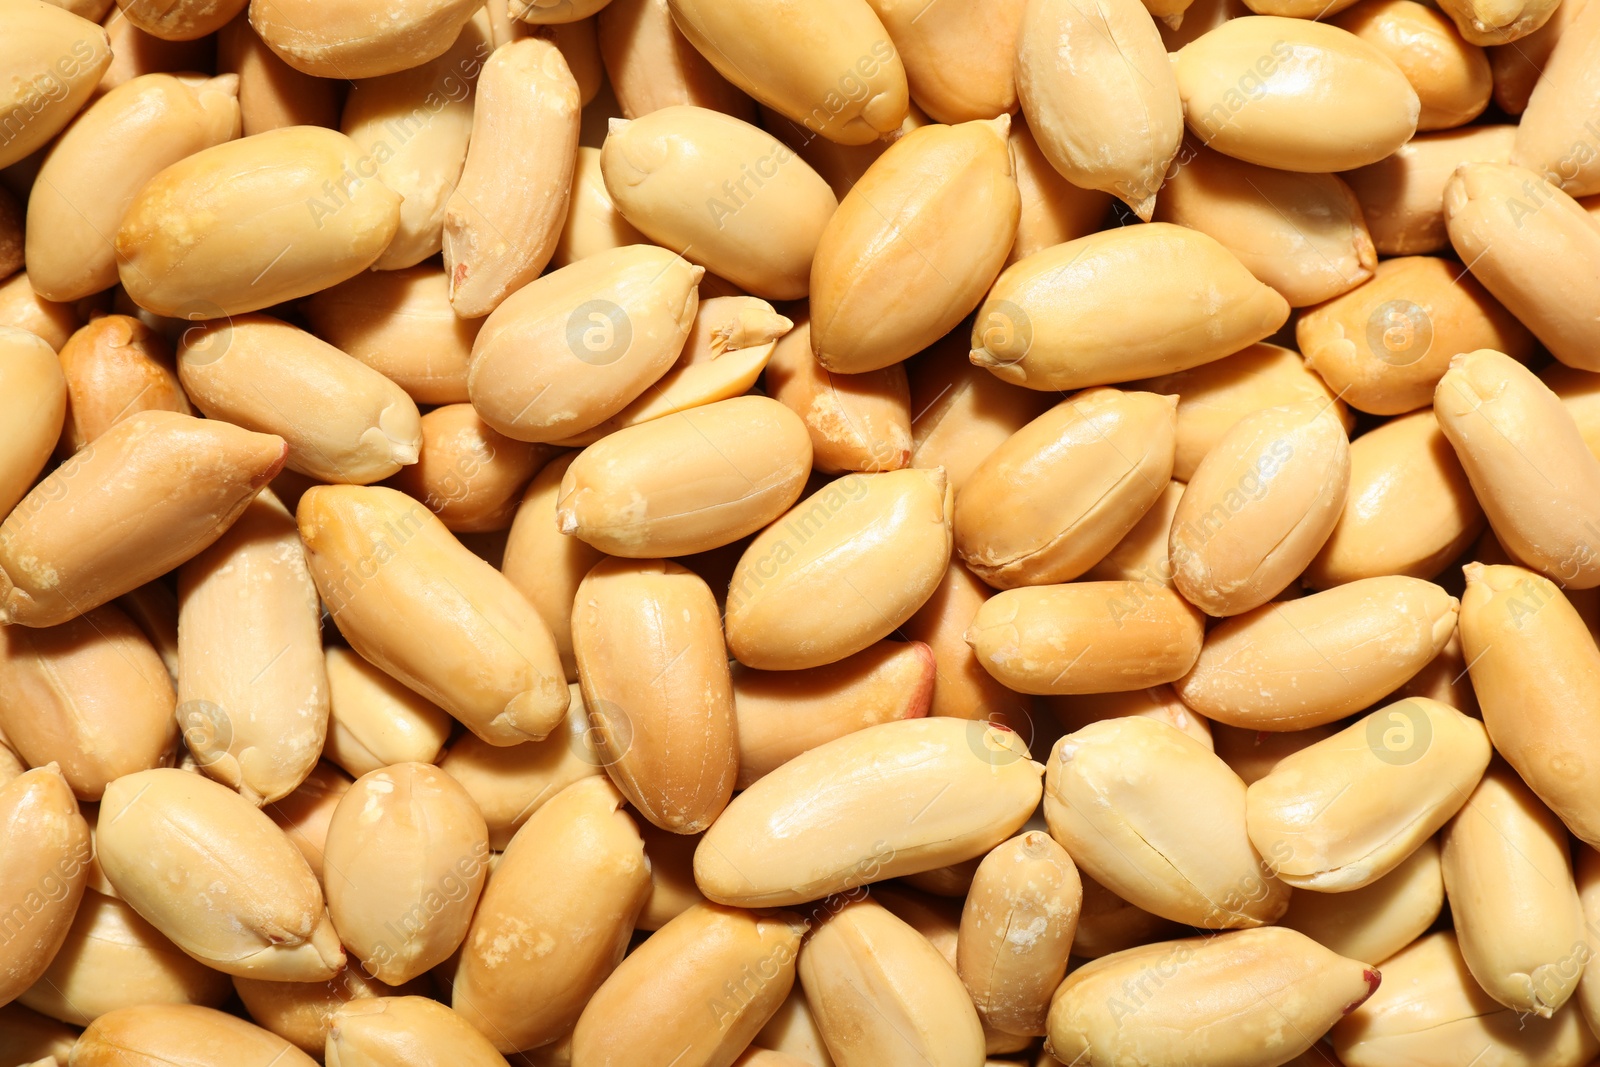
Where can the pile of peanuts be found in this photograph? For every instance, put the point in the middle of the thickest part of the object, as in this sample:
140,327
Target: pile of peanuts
799,533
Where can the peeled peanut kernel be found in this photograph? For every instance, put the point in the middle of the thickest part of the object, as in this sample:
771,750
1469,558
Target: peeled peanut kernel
687,482
1519,65
766,210
252,691
730,343
1509,225
1214,396
1302,234
1212,16
503,216
400,323
466,472
304,815
1123,304
1506,860
1112,799
937,919
1343,812
1053,209
1451,76
1059,494
341,39
418,157
1100,96
374,721
414,601
33,404
116,366
883,995
1488,22
593,222
655,998
962,687
509,784
935,214
1142,554
844,39
1429,1011
1260,506
113,959
1375,922
1553,138
401,838
1580,395
886,540
214,875
959,59
1384,346
48,849
1320,98
343,421
823,823
96,169
1402,196
89,695
1016,931
152,1034
416,1031
784,713
23,308
1537,481
272,94
651,65
655,679
578,345
1279,990
1536,671
180,20
960,412
857,422
251,223
302,1012
1317,659
555,918
149,493
54,59
1108,924
1410,509
1086,637
545,564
